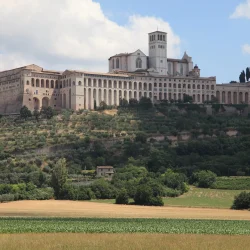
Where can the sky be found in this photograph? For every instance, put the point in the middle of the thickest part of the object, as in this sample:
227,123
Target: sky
83,34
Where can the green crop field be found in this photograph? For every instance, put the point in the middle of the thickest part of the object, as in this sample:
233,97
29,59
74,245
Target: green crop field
232,183
112,225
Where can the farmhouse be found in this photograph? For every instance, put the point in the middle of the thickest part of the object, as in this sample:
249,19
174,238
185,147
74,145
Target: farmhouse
105,171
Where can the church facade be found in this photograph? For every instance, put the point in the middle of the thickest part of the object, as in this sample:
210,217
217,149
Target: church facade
131,75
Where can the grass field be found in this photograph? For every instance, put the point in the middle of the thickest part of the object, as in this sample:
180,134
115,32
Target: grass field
123,225
62,241
55,208
198,197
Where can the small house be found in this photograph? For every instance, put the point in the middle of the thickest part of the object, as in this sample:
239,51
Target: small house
105,171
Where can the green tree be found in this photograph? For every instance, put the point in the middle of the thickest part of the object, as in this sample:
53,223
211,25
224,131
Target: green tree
187,98
36,114
204,178
103,105
59,178
145,103
242,77
48,112
247,74
242,201
25,113
94,104
133,102
123,102
122,197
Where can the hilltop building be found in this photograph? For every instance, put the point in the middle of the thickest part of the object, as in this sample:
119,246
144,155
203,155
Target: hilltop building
131,75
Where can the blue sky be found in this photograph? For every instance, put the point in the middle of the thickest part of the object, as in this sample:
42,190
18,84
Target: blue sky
83,34
205,28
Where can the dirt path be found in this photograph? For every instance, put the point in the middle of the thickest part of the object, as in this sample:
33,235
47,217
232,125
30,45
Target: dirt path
91,209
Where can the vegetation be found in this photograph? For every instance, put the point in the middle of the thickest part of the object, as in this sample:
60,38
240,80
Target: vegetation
80,241
232,183
242,201
111,225
204,179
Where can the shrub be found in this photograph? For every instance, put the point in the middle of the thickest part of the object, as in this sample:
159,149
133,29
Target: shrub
204,179
242,201
7,197
122,197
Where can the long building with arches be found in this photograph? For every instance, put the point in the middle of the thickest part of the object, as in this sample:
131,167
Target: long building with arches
131,75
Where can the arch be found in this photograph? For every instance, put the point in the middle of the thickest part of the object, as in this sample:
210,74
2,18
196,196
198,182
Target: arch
125,95
120,95
125,85
89,99
52,84
235,98
45,102
150,95
37,83
198,86
246,97
32,82
194,100
56,84
140,86
218,96
36,103
135,95
120,84
194,87
150,86
42,83
145,94
110,84
27,83
115,84
223,97
240,97
105,84
115,98
64,101
229,98
113,63
175,96
203,98
84,82
135,85
80,83
130,85
117,63
145,86
94,96
100,83
89,82
99,97
140,95
138,63
110,97
130,94
198,98
47,83
67,82
179,96
105,95
70,98
85,101
94,83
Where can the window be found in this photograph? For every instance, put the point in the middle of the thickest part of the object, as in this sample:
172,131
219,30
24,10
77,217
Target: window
138,63
113,64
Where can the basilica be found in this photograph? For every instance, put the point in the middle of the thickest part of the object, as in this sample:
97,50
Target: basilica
130,75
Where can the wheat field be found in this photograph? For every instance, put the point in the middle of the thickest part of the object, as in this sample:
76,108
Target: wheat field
54,208
69,241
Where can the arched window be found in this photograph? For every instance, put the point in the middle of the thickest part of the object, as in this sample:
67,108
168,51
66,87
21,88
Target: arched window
117,63
113,63
138,63
181,69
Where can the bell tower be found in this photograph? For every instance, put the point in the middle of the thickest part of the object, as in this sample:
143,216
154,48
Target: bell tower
158,51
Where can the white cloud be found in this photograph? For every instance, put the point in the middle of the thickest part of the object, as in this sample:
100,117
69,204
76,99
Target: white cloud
242,10
246,49
71,34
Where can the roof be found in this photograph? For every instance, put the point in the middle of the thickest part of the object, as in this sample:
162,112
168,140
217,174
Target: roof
95,73
104,167
158,32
